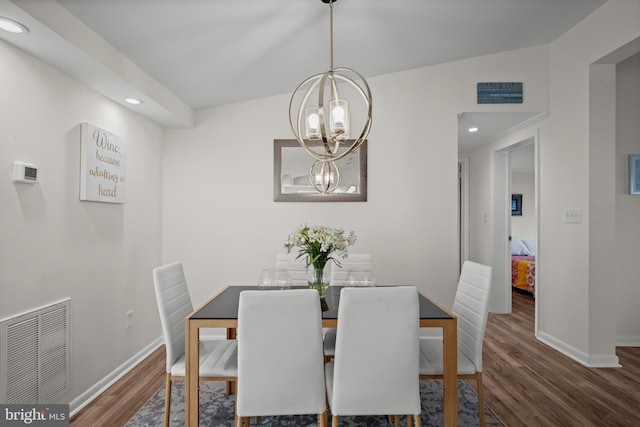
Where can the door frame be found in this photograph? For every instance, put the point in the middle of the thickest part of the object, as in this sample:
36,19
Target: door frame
463,209
501,288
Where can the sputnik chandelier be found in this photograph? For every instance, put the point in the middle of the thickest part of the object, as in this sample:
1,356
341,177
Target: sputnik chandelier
320,118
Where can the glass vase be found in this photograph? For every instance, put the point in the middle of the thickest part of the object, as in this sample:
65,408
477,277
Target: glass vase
318,278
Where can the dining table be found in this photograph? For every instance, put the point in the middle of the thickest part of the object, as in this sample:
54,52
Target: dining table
221,311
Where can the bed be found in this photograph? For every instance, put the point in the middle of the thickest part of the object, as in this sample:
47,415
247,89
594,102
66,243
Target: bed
523,264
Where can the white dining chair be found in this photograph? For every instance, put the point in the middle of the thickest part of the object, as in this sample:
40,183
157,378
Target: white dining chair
375,368
296,267
471,307
218,358
355,263
280,361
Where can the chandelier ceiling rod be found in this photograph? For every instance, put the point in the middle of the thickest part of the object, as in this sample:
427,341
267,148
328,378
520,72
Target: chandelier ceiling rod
331,33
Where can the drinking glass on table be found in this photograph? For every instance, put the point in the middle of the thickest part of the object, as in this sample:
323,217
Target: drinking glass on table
274,278
360,278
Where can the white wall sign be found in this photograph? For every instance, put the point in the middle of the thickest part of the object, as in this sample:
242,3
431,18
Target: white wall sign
102,165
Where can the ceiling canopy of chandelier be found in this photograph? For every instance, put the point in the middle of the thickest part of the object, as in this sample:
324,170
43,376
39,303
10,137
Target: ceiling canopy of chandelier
320,117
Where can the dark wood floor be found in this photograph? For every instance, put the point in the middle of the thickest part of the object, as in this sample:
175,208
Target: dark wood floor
121,401
526,383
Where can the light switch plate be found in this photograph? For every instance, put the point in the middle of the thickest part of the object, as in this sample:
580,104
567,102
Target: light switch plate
573,216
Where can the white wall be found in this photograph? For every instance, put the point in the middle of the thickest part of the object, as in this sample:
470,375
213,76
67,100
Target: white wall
577,312
524,226
627,206
582,107
221,221
481,206
54,246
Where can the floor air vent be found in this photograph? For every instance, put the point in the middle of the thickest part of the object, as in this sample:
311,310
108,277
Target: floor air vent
34,355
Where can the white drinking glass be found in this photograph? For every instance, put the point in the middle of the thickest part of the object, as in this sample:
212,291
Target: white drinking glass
360,278
274,278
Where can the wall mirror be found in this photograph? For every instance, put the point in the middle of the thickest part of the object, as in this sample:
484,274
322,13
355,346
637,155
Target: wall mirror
291,165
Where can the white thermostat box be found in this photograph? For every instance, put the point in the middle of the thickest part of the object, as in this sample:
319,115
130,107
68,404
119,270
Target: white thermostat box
25,172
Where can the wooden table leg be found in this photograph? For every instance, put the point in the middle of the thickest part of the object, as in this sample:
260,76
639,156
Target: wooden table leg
450,382
192,357
231,385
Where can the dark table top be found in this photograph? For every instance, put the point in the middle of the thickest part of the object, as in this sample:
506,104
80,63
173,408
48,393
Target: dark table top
225,305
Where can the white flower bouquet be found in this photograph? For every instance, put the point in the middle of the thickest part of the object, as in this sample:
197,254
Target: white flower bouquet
318,243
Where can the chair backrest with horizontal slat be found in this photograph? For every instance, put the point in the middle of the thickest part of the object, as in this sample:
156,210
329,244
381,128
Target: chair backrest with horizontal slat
471,306
296,267
174,305
353,262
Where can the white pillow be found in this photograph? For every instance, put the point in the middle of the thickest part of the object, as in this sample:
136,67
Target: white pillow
518,248
530,245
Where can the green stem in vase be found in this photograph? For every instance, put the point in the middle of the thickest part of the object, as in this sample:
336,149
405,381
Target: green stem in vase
317,279
318,272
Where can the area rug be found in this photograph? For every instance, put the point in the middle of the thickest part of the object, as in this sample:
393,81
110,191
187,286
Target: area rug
216,409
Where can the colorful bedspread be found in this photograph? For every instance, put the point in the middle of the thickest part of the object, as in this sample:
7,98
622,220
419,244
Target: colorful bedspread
523,271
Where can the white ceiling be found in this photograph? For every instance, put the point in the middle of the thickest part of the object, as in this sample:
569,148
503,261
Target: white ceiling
183,55
490,125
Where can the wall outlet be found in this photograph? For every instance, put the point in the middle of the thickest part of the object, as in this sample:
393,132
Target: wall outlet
573,215
129,319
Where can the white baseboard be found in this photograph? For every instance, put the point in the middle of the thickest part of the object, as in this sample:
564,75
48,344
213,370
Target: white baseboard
604,361
588,360
627,341
89,395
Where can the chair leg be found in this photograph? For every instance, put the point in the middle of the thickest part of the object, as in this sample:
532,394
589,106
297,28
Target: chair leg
416,420
322,419
480,398
396,420
409,421
167,401
334,421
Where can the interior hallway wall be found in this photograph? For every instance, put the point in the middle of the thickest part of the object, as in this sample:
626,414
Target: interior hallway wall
576,312
524,226
55,246
627,250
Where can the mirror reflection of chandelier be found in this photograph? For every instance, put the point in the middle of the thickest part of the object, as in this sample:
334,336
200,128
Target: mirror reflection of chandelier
321,118
324,176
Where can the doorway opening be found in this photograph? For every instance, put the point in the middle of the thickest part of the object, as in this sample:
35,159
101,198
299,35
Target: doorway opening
485,194
515,233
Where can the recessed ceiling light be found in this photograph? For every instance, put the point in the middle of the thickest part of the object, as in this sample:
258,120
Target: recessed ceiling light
133,101
473,129
12,26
